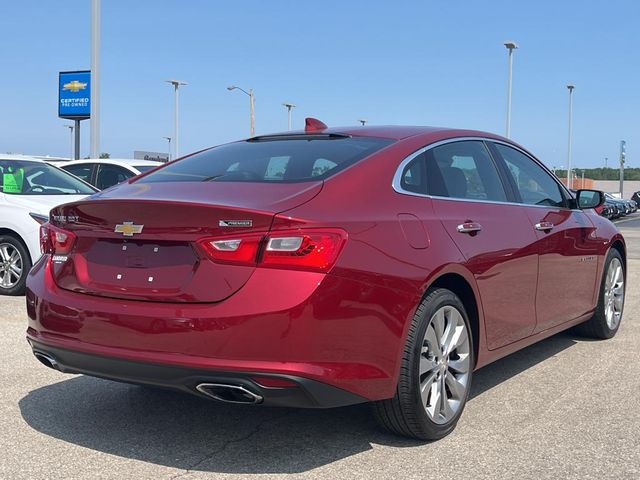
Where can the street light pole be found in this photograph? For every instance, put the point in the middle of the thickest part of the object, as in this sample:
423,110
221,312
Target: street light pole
569,180
288,106
168,139
623,156
70,127
94,150
176,85
252,128
511,46
363,121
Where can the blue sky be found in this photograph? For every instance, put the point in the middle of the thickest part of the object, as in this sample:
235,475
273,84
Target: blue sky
406,62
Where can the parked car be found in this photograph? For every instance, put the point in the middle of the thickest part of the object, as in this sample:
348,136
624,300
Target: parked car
106,172
624,208
636,197
326,267
29,188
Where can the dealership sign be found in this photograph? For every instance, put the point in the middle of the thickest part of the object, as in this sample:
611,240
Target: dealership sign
157,156
74,95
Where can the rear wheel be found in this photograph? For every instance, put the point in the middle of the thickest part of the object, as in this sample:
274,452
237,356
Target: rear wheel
436,370
15,264
606,319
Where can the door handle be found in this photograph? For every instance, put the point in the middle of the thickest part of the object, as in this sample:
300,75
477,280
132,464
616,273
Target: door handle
544,226
469,227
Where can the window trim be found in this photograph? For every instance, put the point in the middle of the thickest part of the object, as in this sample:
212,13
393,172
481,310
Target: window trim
396,183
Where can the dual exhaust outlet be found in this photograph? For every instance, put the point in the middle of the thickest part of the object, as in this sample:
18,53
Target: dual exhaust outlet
222,392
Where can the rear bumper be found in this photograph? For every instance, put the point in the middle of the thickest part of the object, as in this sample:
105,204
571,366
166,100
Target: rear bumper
327,330
305,394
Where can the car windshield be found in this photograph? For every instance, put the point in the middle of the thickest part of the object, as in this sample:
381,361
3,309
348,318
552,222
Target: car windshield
294,158
24,177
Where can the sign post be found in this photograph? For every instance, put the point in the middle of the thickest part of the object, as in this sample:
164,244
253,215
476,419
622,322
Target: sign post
74,100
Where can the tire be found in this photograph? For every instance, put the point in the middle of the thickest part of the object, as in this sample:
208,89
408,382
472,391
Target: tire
411,412
15,264
608,314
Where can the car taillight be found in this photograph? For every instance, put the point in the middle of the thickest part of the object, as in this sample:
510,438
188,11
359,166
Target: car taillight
240,250
55,241
303,250
315,250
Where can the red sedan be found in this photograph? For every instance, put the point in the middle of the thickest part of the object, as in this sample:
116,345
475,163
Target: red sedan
326,267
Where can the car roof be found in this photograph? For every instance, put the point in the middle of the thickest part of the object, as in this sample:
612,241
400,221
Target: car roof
13,156
394,132
115,161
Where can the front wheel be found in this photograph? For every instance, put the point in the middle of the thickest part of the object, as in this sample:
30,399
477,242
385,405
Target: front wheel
436,370
608,314
15,264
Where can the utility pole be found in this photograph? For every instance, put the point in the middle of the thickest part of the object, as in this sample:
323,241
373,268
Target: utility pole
511,46
176,85
623,154
569,180
288,106
94,151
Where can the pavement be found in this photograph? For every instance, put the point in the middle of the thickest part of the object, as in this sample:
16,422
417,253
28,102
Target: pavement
563,408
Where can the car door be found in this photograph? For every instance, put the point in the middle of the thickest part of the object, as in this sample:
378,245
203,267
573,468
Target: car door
494,235
567,245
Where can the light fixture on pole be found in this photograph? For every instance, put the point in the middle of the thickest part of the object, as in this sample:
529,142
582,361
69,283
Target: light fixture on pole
288,106
363,121
94,122
70,127
511,46
570,87
176,85
168,139
252,129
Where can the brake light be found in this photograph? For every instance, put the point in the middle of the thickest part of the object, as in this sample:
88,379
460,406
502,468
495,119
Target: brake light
240,250
303,250
55,240
315,250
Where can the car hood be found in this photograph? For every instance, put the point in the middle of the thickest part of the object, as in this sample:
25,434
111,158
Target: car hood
41,204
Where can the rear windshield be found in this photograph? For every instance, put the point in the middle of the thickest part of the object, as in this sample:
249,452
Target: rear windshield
271,159
144,168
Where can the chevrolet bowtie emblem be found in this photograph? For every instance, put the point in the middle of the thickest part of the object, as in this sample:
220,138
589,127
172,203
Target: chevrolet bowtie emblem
128,229
74,86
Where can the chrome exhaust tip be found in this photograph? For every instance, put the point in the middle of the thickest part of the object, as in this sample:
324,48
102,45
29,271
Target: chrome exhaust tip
229,393
47,360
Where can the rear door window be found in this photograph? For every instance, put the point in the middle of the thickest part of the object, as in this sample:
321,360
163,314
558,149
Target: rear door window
82,171
294,158
110,175
462,170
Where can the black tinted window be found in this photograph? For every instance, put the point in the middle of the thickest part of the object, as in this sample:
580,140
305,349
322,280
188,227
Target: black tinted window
110,175
458,170
82,171
276,159
535,185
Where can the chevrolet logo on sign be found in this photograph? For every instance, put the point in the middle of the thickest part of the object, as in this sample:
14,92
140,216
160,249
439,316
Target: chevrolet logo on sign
128,229
74,86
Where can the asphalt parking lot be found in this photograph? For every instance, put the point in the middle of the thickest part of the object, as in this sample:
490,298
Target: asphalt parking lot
564,408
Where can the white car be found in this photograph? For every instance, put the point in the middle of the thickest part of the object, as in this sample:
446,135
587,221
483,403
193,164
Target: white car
106,172
29,189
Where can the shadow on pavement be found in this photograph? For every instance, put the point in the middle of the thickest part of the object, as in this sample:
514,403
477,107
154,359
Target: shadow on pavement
185,432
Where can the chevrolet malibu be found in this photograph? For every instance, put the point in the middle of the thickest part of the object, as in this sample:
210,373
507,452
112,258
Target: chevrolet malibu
326,267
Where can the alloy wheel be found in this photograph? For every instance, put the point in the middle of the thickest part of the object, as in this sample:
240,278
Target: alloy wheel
11,266
614,294
444,366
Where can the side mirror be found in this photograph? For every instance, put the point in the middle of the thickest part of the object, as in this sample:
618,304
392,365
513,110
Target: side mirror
589,199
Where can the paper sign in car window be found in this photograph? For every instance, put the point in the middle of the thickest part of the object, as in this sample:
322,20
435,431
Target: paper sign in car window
12,181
